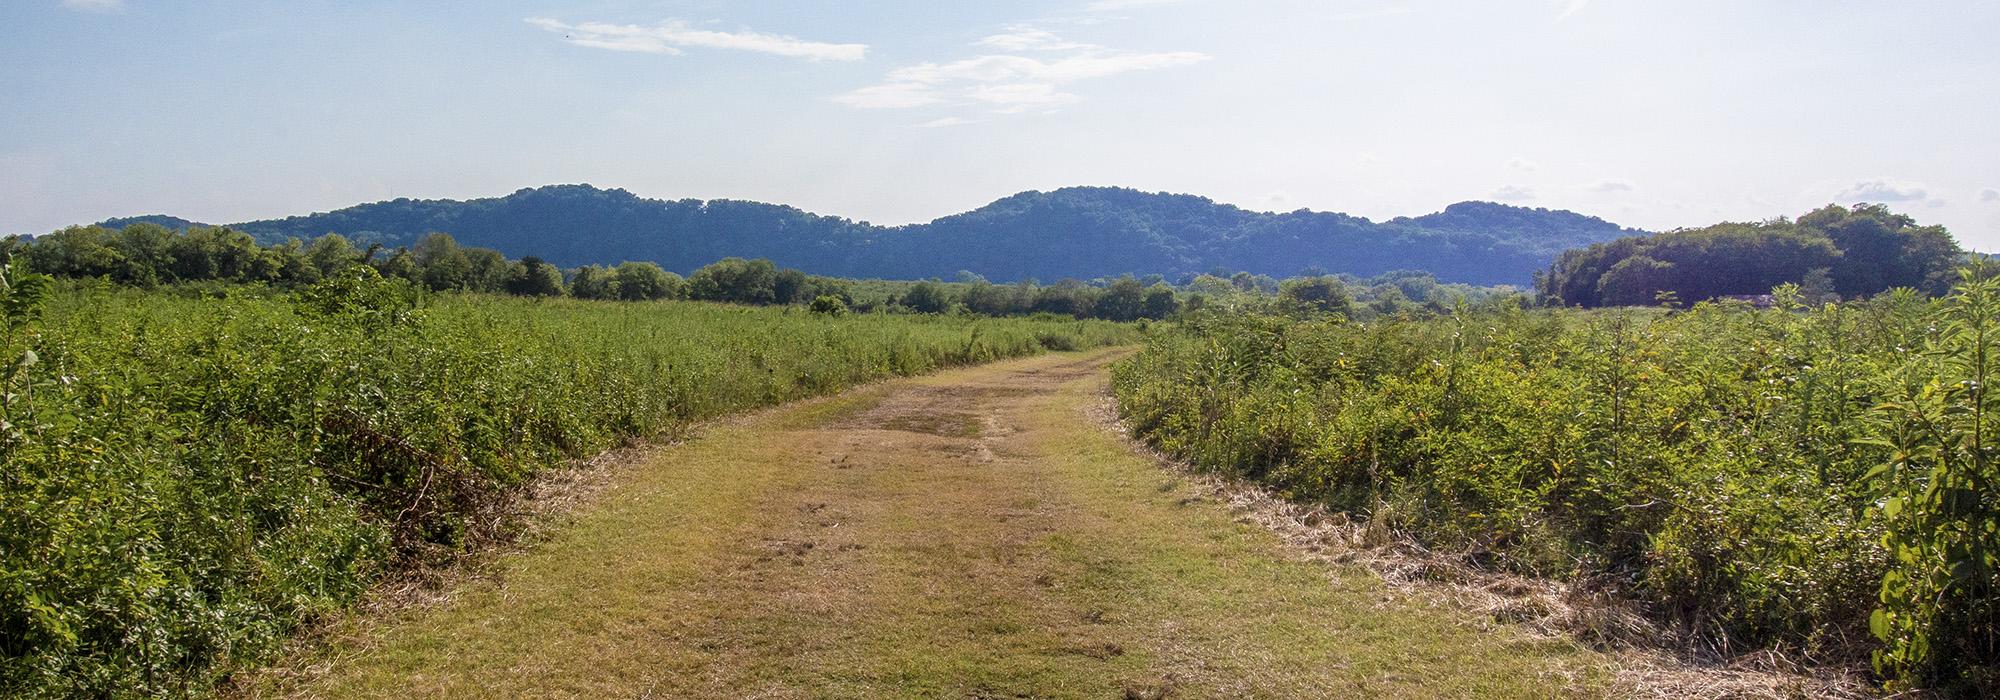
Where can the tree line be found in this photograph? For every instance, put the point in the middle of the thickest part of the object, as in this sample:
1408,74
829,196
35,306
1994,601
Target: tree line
1831,252
148,254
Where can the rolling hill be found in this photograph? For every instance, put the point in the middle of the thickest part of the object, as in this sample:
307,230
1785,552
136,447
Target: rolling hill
1081,232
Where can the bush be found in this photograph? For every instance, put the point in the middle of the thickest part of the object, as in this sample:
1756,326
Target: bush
828,305
1726,463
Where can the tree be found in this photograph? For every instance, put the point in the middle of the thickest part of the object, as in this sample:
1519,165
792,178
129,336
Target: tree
1882,250
1635,281
489,269
1389,300
146,250
1323,294
214,254
1123,300
735,280
77,251
1211,285
442,263
593,282
927,297
791,286
399,265
1817,287
1068,297
293,267
1160,302
990,299
635,281
535,278
332,253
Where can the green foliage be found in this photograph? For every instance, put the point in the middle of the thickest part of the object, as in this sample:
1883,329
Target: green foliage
644,281
1725,463
145,254
927,298
1855,252
531,277
190,473
1316,295
736,280
828,305
1939,491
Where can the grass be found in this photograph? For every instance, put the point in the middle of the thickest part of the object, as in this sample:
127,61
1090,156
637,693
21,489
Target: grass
845,547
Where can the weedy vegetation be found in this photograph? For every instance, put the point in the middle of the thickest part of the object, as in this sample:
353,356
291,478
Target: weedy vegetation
1819,479
191,472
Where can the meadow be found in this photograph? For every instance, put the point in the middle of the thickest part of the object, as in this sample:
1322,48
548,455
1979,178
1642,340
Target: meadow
1816,478
191,472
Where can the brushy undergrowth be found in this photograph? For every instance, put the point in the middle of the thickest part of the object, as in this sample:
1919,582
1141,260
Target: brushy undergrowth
1757,477
190,473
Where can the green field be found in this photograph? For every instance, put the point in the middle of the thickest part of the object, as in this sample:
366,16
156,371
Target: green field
192,472
1820,480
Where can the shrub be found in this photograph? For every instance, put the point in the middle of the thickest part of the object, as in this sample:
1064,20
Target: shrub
828,305
1727,463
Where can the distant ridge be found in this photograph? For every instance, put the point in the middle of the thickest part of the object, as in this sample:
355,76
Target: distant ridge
172,222
1081,232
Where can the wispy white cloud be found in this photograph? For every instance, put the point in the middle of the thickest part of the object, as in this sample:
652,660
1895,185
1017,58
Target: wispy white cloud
1514,193
1571,7
671,36
94,5
1023,37
1524,165
998,68
1611,185
1010,82
944,122
1883,191
1118,5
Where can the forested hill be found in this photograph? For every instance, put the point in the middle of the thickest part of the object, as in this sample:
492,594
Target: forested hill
1081,232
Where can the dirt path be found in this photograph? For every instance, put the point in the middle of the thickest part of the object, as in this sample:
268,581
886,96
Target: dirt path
970,534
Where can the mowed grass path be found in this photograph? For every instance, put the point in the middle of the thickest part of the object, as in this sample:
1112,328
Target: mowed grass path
967,534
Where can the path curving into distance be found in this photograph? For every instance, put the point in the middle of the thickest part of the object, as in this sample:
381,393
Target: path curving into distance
971,534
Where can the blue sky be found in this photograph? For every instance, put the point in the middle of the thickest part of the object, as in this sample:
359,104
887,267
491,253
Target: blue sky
1651,114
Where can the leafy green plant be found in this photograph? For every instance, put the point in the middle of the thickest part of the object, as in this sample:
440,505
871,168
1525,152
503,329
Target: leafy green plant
1939,619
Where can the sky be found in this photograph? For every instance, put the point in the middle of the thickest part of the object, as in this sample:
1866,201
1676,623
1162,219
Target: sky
1653,114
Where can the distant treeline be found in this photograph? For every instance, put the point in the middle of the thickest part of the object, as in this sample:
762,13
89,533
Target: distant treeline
1831,252
147,254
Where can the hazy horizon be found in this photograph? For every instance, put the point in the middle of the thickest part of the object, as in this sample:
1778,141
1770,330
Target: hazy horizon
899,112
